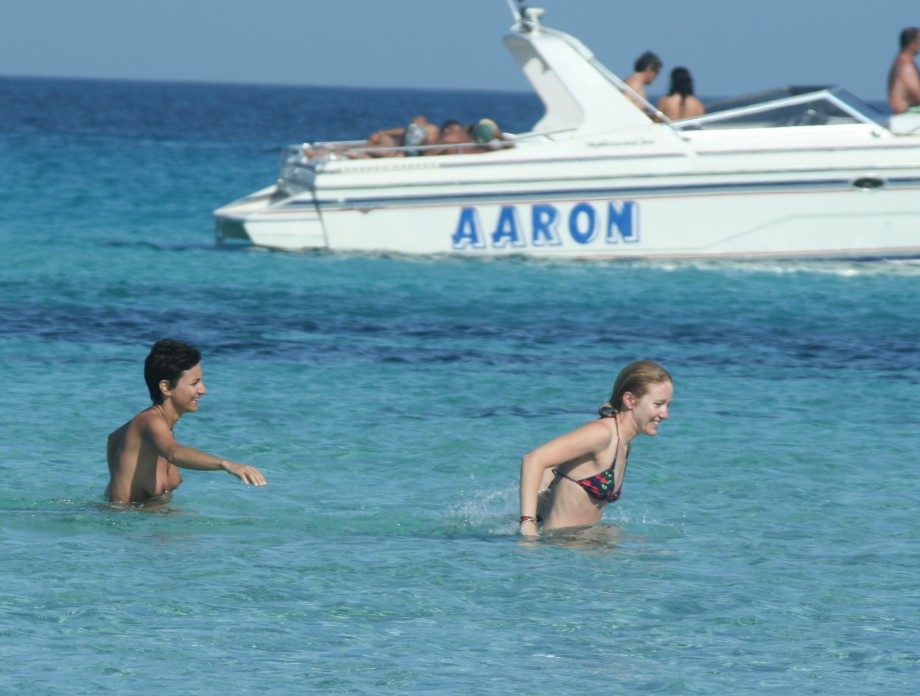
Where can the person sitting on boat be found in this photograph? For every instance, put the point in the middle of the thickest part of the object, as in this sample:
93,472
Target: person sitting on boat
646,67
400,142
904,77
679,102
568,481
452,135
487,136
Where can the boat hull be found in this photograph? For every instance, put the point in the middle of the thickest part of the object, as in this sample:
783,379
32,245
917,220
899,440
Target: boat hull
822,218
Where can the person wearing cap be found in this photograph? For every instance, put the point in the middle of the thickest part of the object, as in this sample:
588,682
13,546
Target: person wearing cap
485,134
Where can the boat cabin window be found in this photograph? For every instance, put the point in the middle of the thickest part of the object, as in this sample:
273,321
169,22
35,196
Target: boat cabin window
784,108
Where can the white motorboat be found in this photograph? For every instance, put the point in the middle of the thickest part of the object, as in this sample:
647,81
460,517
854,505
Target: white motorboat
812,173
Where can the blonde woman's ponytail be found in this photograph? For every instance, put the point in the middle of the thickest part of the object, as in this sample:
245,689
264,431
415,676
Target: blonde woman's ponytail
606,411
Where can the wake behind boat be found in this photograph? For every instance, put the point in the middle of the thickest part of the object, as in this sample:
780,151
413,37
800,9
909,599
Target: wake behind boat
811,173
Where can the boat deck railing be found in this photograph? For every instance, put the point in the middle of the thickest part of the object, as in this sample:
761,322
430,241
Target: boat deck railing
299,162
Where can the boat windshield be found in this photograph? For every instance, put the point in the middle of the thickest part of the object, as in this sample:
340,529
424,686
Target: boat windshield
784,107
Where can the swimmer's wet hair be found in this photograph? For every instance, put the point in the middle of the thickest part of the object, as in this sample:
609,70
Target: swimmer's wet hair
168,359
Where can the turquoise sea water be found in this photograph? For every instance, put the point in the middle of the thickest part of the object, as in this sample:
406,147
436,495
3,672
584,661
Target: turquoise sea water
766,541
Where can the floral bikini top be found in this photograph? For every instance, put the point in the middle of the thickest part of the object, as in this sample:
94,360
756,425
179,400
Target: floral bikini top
601,486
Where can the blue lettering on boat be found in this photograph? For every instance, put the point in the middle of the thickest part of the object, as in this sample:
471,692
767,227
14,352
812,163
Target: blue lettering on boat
622,221
468,235
544,222
507,231
613,221
581,223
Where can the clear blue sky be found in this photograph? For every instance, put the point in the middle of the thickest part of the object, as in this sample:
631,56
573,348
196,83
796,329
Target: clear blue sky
731,46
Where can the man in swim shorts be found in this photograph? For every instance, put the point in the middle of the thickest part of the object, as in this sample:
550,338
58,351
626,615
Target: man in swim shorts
143,455
904,78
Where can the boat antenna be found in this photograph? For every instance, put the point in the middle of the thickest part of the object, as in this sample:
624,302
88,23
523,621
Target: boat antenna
517,12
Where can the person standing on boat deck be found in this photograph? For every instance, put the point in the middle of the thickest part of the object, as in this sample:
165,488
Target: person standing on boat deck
143,454
680,102
904,77
646,67
568,481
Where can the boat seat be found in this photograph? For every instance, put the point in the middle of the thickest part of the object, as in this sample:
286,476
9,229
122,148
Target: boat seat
904,124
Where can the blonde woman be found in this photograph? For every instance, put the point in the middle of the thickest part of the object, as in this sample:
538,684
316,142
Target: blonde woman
568,481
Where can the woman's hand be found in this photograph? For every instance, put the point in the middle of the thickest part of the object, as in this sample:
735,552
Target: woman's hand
529,526
247,474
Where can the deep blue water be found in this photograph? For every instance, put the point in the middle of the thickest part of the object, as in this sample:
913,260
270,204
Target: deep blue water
766,542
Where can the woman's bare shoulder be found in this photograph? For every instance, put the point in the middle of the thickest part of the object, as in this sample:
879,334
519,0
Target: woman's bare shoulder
600,431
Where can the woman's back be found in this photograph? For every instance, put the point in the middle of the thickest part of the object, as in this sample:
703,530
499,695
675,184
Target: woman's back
677,106
680,102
